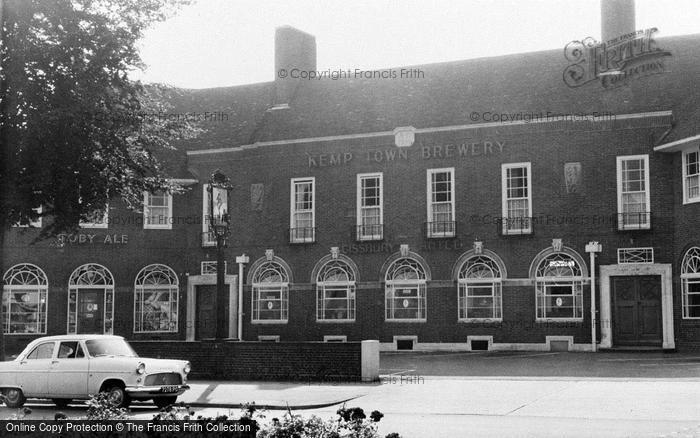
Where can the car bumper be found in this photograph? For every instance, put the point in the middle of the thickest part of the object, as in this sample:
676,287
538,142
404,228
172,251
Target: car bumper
154,391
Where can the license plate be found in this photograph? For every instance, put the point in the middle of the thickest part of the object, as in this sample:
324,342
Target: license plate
171,388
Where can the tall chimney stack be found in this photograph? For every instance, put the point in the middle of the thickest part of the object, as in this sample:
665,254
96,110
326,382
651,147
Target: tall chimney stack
617,18
295,52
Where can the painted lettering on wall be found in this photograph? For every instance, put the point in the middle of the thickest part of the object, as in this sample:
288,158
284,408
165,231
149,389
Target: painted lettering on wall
463,150
90,239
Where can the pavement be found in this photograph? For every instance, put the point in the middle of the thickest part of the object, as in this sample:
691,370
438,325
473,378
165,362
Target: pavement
429,372
497,394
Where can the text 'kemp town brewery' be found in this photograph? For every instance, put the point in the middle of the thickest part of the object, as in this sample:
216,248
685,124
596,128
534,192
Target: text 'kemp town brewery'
455,208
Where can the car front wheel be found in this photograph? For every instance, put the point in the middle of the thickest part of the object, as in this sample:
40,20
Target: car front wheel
14,398
118,397
164,402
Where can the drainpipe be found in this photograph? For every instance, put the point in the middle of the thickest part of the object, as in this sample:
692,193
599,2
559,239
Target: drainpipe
592,248
241,260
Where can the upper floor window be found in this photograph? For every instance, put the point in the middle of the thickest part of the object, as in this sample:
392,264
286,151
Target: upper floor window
157,211
156,300
516,184
559,288
441,205
405,291
302,211
270,293
691,176
27,222
479,289
370,206
690,279
96,219
335,292
633,205
24,294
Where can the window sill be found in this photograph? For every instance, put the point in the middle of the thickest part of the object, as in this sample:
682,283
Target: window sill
559,320
26,334
335,321
441,236
369,239
480,320
420,320
691,201
265,322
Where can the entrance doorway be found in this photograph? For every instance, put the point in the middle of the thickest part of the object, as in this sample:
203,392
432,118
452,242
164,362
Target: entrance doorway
206,312
636,302
90,311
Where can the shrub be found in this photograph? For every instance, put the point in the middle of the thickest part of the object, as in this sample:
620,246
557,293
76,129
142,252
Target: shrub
350,423
100,408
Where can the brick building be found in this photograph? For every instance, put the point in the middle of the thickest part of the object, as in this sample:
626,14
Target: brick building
443,206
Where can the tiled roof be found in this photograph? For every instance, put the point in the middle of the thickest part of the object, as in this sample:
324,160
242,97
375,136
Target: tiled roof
446,95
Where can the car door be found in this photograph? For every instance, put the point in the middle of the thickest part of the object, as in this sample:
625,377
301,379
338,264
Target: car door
33,370
68,374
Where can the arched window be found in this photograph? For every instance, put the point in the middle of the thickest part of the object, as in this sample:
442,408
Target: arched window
690,279
91,300
24,294
155,300
335,292
270,293
559,288
479,289
405,290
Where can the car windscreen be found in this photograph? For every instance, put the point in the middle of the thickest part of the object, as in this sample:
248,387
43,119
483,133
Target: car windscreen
109,347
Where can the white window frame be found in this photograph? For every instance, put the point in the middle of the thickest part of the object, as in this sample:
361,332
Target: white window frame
102,224
279,287
690,274
464,284
506,230
544,283
147,225
292,211
361,235
347,285
208,267
647,196
172,288
686,198
31,223
32,279
79,280
431,233
392,285
335,338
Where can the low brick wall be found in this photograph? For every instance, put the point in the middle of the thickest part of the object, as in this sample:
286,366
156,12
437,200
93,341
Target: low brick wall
287,361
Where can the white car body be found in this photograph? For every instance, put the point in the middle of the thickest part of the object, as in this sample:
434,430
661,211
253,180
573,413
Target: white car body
70,367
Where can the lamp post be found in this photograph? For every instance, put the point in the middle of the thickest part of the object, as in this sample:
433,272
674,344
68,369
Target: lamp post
220,227
592,248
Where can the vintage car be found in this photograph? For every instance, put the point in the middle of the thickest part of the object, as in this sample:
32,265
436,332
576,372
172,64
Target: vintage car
68,367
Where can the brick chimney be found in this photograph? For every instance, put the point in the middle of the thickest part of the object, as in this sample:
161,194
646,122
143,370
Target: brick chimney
617,18
295,52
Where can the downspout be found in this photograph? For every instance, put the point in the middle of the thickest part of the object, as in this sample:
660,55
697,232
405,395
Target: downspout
241,260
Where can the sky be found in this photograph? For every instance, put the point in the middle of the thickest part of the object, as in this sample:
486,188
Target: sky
215,43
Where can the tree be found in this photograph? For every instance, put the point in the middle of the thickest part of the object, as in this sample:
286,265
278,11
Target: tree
75,130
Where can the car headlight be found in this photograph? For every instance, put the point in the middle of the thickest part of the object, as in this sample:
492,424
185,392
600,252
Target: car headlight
187,368
141,368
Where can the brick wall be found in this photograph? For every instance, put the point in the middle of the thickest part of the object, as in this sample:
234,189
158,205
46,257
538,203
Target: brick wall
293,361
